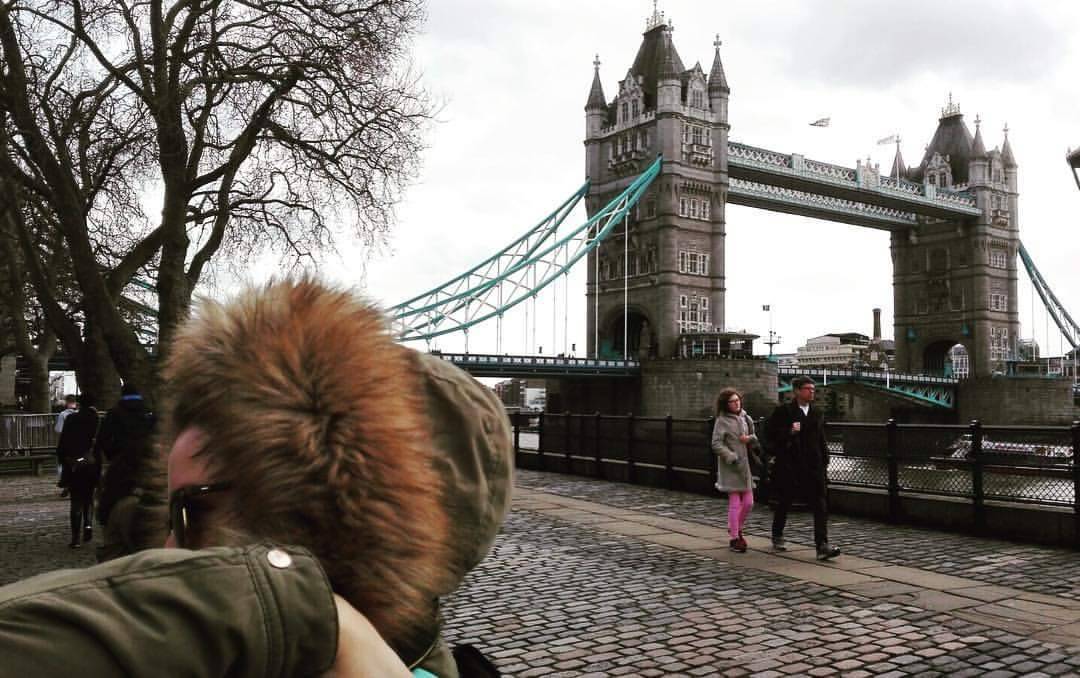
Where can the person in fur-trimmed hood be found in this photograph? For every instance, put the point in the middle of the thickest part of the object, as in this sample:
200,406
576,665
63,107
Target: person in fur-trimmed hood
292,417
733,440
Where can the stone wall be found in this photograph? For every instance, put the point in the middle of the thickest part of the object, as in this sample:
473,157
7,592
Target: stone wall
688,388
1015,400
585,395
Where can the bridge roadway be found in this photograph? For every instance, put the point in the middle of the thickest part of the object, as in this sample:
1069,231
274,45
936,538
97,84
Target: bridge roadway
601,579
916,388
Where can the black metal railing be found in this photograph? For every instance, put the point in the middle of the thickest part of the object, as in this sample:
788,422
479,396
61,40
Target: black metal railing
1034,465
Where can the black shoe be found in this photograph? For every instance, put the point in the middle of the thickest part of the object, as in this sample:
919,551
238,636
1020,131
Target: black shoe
737,545
88,534
65,492
778,543
826,552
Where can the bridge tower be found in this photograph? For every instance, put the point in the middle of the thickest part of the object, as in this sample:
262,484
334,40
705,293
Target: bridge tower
674,255
956,282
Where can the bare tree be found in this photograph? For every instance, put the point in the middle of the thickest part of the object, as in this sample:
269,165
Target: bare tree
255,125
25,330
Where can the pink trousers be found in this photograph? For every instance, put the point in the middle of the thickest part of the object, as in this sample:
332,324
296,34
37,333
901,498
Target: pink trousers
739,505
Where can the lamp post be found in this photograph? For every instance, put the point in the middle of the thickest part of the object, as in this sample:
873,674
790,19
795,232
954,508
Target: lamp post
774,339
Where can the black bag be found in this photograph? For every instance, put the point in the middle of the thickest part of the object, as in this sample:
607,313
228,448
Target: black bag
82,465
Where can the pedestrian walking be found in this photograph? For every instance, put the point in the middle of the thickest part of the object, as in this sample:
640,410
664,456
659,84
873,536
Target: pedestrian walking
124,447
795,433
71,404
733,440
80,469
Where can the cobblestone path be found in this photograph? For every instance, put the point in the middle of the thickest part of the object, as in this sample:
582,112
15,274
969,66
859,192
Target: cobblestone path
1039,569
596,579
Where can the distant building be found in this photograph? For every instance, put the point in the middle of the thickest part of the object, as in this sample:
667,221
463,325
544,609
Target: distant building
1027,350
833,350
527,394
785,359
960,362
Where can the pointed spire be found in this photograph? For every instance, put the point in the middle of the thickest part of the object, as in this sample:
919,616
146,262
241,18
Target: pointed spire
596,93
1007,158
899,169
978,148
717,79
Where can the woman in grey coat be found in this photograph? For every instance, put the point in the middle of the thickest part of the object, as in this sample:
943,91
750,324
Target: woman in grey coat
732,438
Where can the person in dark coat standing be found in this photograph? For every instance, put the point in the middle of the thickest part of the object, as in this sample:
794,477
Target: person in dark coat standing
795,433
124,445
81,470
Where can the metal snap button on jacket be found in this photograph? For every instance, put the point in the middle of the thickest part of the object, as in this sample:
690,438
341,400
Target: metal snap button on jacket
279,558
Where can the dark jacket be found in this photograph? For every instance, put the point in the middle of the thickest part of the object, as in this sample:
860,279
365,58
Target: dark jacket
78,434
124,442
801,458
76,441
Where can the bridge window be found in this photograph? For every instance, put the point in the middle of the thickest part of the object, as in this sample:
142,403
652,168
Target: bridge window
694,208
998,258
999,344
698,135
694,263
625,111
697,98
634,108
999,301
682,301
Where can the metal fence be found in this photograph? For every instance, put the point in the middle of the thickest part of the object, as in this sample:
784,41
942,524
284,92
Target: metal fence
24,434
1035,465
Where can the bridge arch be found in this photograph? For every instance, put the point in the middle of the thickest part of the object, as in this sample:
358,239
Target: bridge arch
640,333
947,357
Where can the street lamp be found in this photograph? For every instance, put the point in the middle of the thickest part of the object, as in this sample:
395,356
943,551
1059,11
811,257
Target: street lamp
774,338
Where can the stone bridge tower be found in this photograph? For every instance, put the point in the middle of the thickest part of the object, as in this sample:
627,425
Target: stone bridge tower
956,282
674,263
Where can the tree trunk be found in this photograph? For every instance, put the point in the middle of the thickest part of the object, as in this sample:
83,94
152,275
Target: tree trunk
39,382
99,382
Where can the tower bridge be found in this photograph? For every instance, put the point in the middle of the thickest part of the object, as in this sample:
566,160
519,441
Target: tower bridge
661,170
953,218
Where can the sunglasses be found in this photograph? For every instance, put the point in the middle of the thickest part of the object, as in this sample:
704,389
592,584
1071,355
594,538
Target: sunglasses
184,505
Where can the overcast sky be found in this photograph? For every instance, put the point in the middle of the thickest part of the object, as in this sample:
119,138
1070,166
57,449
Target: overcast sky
513,76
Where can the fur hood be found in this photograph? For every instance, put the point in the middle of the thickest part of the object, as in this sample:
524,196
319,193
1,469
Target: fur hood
392,467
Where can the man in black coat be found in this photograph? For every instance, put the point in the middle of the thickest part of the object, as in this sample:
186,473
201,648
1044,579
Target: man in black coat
125,442
795,434
81,470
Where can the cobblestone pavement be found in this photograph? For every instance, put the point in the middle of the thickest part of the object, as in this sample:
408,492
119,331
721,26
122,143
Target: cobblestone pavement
579,584
34,530
1039,569
561,599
